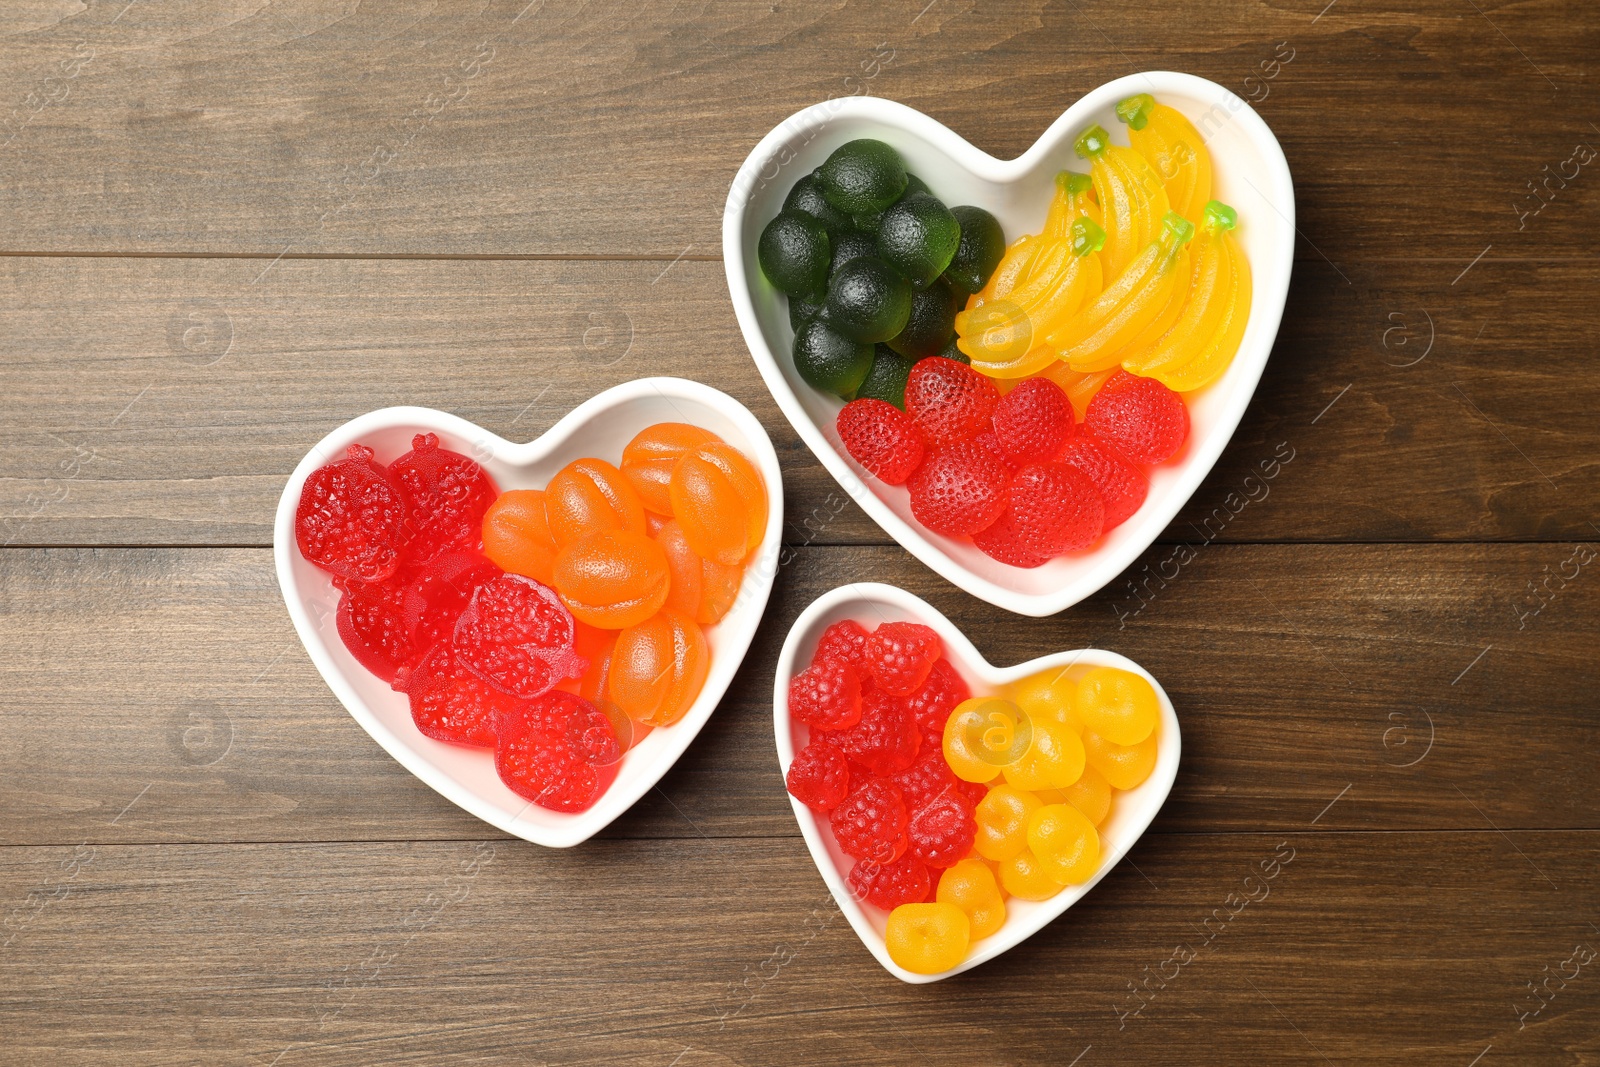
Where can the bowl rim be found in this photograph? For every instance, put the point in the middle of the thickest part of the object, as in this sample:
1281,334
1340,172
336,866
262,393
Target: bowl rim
625,790
1268,298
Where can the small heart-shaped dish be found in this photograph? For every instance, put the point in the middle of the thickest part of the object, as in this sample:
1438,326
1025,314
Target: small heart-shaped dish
1250,174
600,426
872,604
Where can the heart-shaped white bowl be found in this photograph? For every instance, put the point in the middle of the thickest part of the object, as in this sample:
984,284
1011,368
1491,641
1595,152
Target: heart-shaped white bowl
1250,174
871,603
600,426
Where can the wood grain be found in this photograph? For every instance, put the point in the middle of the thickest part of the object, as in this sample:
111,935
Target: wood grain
165,401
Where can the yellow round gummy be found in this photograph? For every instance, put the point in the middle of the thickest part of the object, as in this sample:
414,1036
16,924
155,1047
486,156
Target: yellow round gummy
1054,759
1002,818
1065,842
1026,877
1123,766
971,886
1048,695
1120,706
1090,794
927,938
984,734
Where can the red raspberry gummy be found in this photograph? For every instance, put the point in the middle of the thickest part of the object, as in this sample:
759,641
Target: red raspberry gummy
870,823
558,751
448,494
925,779
1122,485
518,636
1033,422
819,776
881,438
372,625
949,401
439,594
845,641
889,885
960,489
351,519
448,701
886,739
933,702
901,654
1051,508
1139,417
826,695
941,832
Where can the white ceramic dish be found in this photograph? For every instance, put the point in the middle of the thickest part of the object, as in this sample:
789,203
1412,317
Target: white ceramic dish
1131,811
600,426
1250,174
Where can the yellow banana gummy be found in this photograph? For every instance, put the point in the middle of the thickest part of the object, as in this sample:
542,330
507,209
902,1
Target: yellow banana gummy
1173,148
1205,308
1215,353
1133,201
1095,337
1072,201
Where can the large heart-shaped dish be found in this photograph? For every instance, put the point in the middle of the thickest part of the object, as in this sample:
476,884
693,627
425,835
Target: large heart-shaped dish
1250,174
598,427
1131,812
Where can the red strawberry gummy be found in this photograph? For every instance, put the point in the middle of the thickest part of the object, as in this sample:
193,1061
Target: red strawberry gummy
351,519
1051,508
988,440
448,701
886,739
870,823
1122,485
949,401
881,438
518,636
558,751
889,885
1033,422
925,779
439,594
937,697
845,641
826,695
960,489
901,654
1139,417
942,831
819,776
448,494
372,626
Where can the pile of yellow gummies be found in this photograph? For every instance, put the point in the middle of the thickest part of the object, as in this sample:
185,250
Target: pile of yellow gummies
1052,750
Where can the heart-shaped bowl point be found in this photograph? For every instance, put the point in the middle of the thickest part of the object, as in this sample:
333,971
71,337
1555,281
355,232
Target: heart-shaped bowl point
872,604
600,427
1250,174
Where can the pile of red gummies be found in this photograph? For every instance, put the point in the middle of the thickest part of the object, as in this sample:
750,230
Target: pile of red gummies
1016,473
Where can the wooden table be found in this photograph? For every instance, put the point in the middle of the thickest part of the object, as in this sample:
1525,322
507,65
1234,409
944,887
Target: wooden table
230,226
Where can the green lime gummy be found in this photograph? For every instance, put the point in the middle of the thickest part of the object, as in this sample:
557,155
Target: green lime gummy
1135,111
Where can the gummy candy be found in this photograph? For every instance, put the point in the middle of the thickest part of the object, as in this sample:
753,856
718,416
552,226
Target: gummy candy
439,594
588,496
702,589
658,667
1200,347
983,735
449,702
959,489
1122,486
516,535
448,495
885,739
927,938
899,656
1140,418
826,695
1122,766
1097,337
1026,877
1090,794
556,751
889,885
933,701
941,832
1054,759
948,401
1120,706
870,823
1080,386
1049,694
881,438
1174,149
970,885
1002,822
1064,841
925,780
371,622
1033,422
1131,196
613,579
516,635
648,459
351,519
720,501
1051,508
845,640
819,776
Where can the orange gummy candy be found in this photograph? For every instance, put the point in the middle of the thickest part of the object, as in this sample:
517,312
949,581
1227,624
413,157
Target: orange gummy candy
516,535
648,460
702,589
590,495
612,579
658,667
720,501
